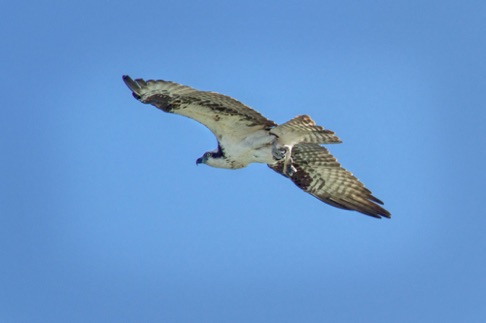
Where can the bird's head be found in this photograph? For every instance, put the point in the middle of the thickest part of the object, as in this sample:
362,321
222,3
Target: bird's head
217,159
204,158
211,158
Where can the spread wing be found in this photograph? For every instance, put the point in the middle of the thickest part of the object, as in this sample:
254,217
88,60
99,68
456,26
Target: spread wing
318,173
224,116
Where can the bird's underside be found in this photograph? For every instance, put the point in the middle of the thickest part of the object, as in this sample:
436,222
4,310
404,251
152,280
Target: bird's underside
244,136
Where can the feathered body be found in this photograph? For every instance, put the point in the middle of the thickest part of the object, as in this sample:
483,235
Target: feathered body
244,136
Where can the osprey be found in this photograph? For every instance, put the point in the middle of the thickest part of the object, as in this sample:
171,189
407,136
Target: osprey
244,136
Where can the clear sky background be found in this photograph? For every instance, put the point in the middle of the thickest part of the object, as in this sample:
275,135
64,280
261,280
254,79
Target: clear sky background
104,216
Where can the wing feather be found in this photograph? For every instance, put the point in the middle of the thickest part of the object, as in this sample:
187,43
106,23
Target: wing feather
223,115
318,173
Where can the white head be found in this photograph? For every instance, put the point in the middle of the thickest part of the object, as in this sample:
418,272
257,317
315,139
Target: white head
216,158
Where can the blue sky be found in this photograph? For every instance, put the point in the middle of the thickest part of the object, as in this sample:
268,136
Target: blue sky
106,218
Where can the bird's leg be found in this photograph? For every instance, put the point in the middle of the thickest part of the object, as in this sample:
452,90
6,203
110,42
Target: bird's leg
284,152
289,169
292,170
278,152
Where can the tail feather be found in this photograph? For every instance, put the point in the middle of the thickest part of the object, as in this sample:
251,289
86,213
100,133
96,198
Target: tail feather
303,129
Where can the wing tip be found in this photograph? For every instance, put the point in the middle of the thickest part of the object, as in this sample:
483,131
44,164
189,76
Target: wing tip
364,205
382,214
132,85
128,80
378,212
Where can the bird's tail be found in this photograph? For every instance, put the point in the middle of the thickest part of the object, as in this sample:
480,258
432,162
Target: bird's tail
303,129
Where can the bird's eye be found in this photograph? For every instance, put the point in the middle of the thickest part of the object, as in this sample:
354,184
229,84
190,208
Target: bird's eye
208,154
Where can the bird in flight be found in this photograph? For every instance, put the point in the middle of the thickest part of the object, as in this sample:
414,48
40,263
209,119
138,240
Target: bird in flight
292,149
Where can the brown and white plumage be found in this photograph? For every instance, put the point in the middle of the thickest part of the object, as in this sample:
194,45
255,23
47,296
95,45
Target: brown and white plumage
303,129
244,136
318,173
222,114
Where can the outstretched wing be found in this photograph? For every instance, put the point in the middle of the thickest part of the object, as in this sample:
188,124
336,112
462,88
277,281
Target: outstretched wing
224,116
318,173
